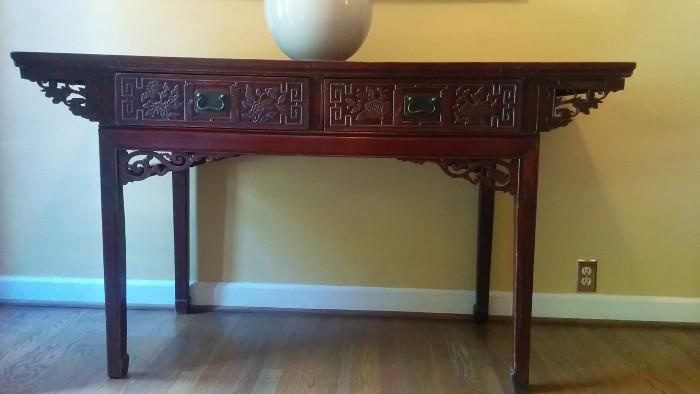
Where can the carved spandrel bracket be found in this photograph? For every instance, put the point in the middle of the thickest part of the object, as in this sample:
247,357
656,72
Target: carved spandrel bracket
75,87
74,94
498,174
562,101
138,165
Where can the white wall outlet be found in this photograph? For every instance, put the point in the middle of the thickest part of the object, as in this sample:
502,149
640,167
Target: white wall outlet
587,273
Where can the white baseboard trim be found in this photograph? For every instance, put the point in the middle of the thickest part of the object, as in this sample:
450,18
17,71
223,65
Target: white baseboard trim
291,296
82,290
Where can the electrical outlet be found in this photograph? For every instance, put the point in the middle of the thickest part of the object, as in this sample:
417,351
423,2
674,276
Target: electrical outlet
587,273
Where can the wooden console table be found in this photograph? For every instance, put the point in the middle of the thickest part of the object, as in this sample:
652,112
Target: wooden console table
477,121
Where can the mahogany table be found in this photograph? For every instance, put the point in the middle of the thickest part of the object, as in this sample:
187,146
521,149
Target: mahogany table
477,121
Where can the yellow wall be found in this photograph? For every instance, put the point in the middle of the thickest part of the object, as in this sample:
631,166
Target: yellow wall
621,185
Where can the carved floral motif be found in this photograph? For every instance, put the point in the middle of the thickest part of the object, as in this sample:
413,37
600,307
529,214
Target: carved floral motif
498,174
150,99
250,102
372,103
360,104
475,106
262,105
491,105
138,165
160,101
72,95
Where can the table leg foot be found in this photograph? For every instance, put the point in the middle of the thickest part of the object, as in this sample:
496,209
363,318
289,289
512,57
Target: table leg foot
519,383
119,367
183,307
481,314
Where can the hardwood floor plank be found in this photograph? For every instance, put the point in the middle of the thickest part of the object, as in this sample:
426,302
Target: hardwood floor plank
246,348
360,358
33,347
79,340
61,350
268,380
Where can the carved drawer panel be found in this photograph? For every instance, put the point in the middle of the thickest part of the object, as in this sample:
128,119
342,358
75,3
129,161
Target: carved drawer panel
228,102
470,105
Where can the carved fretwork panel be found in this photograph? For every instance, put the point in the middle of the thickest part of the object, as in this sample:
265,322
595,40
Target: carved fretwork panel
451,106
138,165
239,102
498,174
490,105
562,101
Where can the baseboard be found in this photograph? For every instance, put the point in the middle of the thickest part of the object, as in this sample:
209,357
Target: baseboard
353,298
82,290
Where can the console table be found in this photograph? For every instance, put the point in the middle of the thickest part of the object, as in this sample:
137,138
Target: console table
477,121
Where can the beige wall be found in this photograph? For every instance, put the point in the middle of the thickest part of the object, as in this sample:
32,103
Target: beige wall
621,185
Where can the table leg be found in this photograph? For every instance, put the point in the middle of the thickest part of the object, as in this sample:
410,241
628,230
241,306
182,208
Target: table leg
525,215
114,259
181,225
483,253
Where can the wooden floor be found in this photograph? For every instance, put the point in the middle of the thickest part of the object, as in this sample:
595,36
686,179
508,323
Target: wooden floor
47,350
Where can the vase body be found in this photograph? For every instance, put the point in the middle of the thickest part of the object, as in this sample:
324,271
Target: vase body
319,29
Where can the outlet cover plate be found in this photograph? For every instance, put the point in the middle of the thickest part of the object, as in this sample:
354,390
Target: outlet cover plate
587,276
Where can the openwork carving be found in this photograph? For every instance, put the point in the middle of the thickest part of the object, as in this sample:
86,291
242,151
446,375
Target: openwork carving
568,106
360,104
138,165
564,100
498,174
150,99
73,95
491,105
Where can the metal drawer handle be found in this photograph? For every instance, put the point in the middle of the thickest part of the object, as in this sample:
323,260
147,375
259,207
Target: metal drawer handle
210,101
421,104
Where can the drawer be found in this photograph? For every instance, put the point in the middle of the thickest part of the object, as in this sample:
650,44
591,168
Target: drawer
234,102
405,105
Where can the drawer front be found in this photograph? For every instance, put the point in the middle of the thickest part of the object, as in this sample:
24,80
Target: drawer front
235,102
391,105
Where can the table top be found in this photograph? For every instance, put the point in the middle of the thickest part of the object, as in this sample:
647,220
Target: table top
293,67
322,96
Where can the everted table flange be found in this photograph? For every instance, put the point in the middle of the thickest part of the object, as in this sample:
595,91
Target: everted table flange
478,122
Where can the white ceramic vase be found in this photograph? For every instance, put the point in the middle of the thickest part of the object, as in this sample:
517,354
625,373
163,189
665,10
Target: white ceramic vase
319,29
